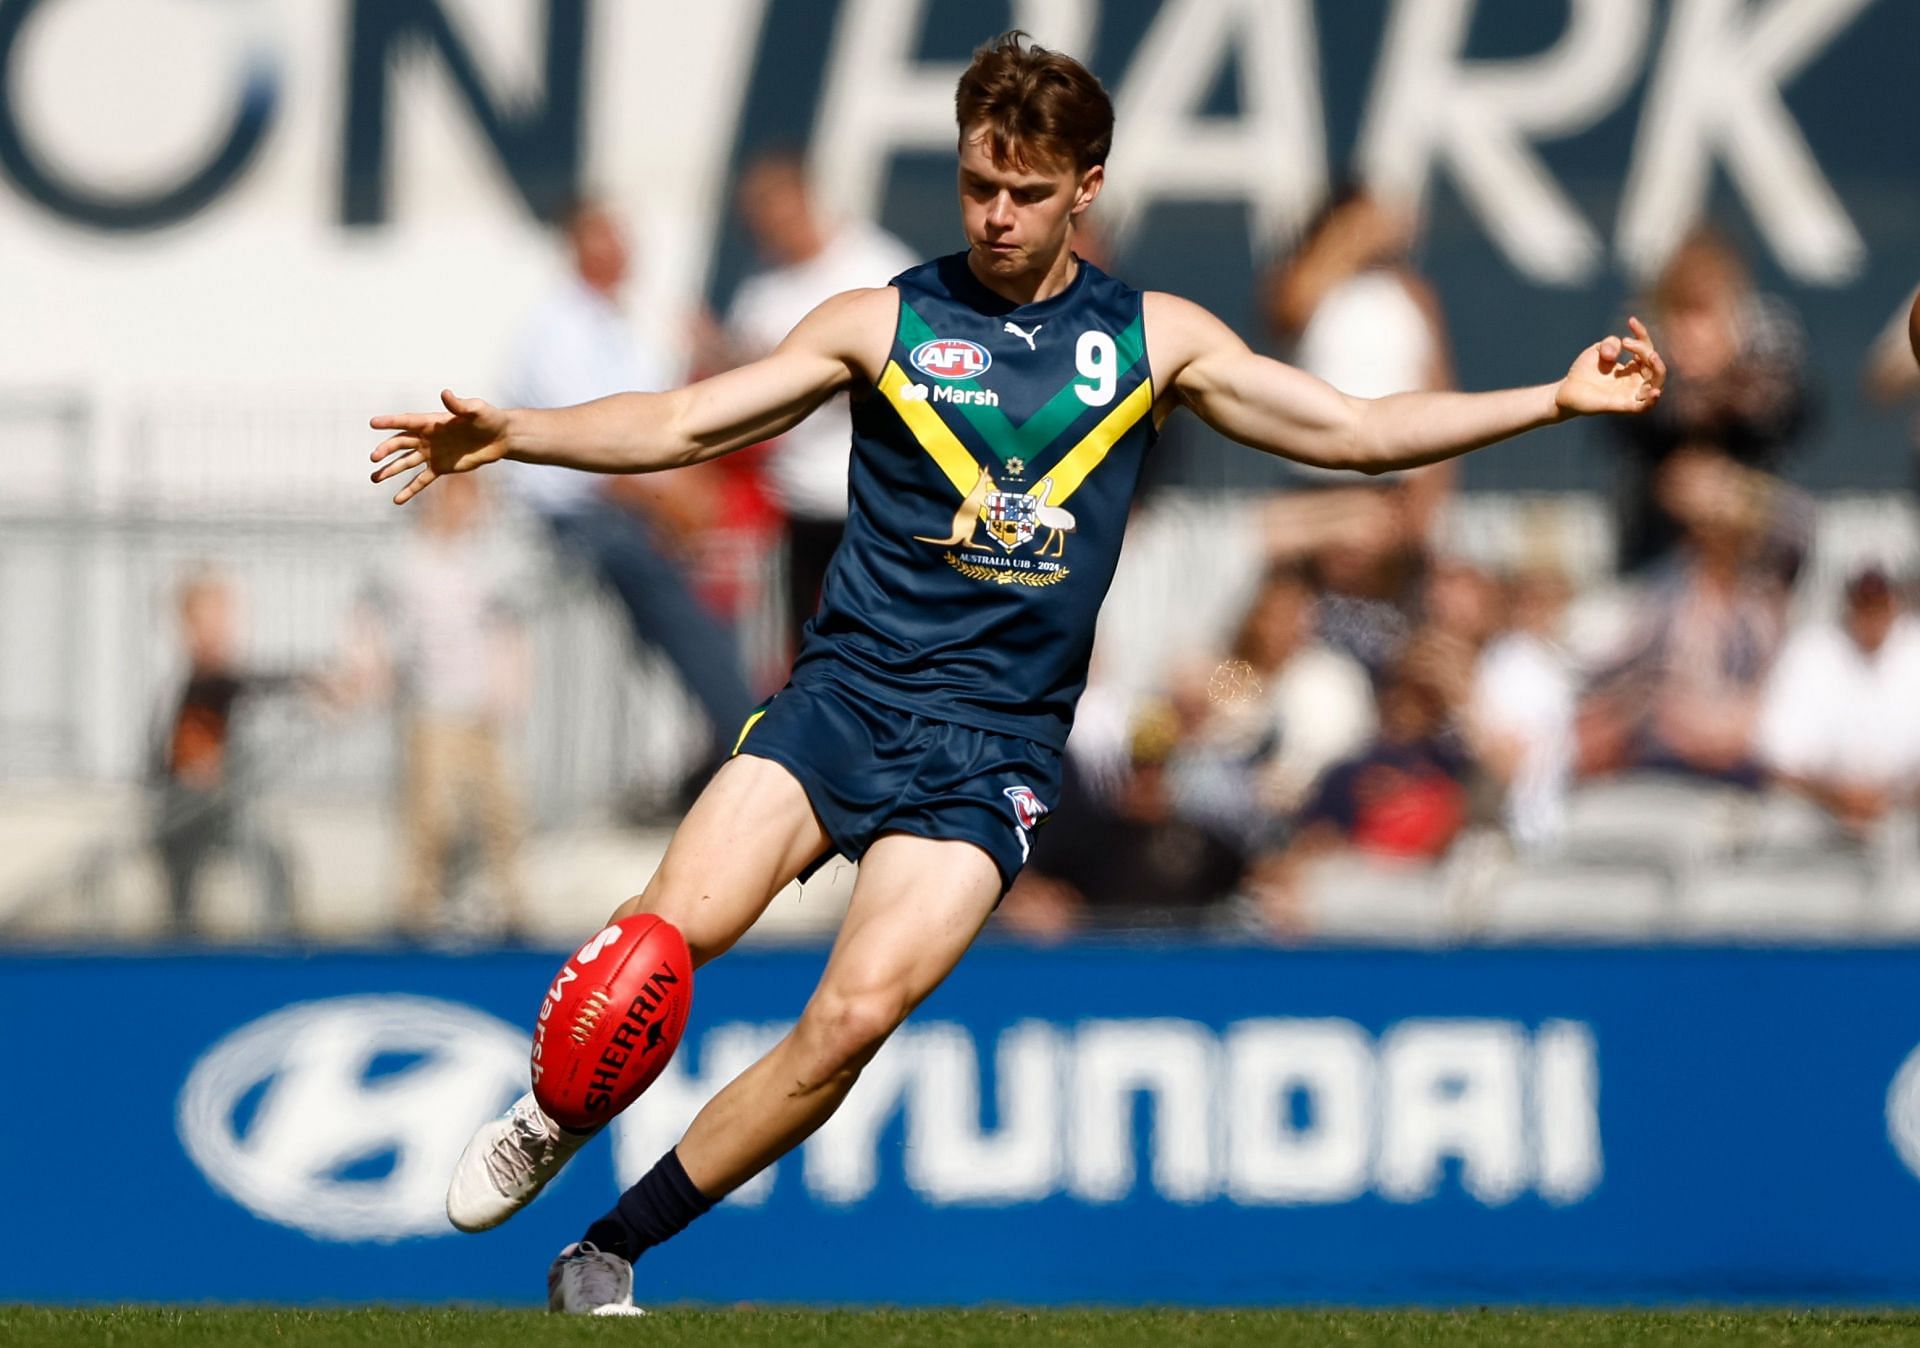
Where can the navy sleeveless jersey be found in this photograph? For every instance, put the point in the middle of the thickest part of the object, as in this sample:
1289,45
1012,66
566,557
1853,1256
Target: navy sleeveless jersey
993,470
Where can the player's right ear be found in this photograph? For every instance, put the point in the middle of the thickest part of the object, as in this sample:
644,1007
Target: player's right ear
1090,184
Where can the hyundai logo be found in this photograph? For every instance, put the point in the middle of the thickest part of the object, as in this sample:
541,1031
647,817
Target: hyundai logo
343,1118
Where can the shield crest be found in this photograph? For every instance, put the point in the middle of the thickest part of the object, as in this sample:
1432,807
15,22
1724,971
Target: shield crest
1010,517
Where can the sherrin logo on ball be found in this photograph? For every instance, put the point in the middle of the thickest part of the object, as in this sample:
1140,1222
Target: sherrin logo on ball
951,358
610,1021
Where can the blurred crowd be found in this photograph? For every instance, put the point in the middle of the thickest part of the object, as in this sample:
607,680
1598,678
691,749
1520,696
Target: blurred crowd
1382,700
439,636
1377,697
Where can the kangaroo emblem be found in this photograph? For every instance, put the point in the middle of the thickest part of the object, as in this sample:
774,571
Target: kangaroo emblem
966,517
1012,517
1022,333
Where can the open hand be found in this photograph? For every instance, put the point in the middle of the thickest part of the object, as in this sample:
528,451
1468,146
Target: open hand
468,434
1615,374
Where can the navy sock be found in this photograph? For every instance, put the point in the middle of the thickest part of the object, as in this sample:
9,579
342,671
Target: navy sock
658,1208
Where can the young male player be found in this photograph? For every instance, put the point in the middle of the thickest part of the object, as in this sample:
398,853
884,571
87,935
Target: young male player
1003,400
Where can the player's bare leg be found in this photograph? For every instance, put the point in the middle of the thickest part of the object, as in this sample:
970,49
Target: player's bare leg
747,836
745,839
917,906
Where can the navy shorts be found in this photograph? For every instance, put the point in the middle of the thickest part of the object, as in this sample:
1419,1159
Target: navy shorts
869,768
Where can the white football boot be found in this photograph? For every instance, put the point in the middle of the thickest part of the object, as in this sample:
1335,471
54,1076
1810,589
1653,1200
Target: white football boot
507,1164
585,1280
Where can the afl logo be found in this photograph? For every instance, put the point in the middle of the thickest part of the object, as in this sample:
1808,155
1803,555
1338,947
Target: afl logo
951,358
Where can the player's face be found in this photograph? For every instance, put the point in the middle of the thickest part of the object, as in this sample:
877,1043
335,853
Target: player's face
1018,217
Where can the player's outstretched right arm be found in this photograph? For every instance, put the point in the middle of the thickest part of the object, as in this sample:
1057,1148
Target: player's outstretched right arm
842,340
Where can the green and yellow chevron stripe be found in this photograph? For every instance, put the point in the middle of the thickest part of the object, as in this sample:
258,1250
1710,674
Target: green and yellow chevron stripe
1034,436
963,471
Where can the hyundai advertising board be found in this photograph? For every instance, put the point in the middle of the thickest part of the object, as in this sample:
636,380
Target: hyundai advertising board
1091,1124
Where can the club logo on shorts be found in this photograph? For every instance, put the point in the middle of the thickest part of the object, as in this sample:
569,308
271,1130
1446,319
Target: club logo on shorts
1026,806
951,358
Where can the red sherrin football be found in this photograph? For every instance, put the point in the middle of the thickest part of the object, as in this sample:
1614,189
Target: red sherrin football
611,1020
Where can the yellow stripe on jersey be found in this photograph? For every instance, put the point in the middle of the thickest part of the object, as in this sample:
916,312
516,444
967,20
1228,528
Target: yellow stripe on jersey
752,721
961,468
1084,457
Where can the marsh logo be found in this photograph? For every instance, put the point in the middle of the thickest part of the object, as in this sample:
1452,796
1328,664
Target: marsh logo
951,358
343,1118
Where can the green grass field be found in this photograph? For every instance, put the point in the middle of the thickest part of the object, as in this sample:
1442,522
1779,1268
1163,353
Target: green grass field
32,1327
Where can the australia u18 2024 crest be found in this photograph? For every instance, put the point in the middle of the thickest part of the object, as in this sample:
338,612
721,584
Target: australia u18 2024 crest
1012,519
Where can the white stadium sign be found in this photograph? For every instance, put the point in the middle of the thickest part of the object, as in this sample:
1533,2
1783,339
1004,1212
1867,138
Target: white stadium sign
1267,1112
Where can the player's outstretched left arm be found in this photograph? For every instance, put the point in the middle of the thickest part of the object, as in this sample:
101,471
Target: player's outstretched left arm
1274,407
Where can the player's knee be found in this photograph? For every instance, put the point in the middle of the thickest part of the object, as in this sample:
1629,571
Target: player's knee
841,1030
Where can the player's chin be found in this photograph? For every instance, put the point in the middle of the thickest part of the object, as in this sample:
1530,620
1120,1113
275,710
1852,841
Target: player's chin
1000,258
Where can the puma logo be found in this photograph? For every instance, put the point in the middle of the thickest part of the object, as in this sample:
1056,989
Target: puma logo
1022,333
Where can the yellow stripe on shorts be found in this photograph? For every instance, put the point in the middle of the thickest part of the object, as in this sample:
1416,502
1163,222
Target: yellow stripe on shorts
752,721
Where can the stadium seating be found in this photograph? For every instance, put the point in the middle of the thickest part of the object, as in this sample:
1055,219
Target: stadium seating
1590,901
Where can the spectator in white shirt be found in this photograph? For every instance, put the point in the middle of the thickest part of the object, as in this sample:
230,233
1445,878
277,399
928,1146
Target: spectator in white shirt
1841,720
1520,716
449,644
578,346
809,258
1268,720
1350,307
